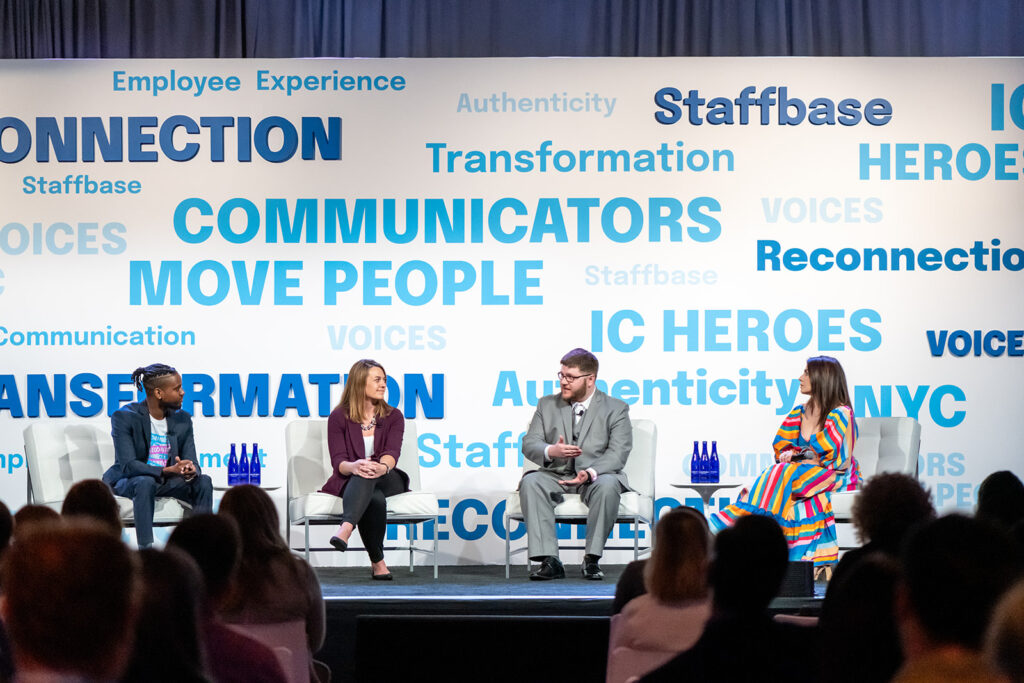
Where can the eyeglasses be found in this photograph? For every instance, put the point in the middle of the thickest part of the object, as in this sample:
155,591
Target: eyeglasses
569,379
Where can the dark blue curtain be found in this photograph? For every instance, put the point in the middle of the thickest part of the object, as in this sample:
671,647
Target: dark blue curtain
36,29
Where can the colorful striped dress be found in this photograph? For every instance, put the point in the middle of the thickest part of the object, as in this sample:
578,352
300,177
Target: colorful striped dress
798,495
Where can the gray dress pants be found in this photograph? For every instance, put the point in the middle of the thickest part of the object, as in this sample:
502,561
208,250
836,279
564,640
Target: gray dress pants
540,492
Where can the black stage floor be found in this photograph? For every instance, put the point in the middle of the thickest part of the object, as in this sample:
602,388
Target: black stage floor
468,600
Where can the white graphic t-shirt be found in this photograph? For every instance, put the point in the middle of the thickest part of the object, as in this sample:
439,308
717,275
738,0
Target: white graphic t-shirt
159,449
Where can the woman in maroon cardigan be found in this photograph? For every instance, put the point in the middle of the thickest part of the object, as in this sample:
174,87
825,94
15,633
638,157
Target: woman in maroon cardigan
364,436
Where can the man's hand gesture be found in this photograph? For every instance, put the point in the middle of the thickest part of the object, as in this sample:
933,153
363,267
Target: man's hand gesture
563,450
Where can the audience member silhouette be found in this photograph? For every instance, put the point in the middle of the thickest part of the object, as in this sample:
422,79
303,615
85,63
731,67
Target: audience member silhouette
629,585
93,499
6,660
213,542
29,515
858,612
1004,643
858,605
631,581
168,648
69,603
1001,499
741,642
670,616
955,569
1017,534
272,585
6,527
883,512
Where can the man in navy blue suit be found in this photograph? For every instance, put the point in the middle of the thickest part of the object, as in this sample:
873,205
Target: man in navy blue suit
154,452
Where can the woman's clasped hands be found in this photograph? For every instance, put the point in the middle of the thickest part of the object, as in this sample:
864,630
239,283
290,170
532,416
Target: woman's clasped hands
370,469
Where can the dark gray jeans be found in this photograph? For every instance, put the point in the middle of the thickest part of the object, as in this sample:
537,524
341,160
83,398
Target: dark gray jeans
365,507
145,490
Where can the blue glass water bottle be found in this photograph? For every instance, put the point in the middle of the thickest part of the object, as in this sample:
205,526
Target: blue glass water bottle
695,465
715,467
232,467
243,467
255,475
705,462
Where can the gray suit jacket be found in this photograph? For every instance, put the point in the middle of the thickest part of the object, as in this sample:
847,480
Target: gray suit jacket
606,435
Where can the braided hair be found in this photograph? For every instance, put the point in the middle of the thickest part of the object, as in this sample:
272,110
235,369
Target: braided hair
146,378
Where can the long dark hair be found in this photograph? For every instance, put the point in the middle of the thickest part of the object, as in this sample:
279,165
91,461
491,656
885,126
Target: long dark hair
828,384
354,395
260,530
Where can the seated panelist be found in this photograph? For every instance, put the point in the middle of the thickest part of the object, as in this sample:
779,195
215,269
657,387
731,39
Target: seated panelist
364,436
814,457
154,451
580,438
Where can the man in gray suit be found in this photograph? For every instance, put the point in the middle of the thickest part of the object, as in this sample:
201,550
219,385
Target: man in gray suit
580,438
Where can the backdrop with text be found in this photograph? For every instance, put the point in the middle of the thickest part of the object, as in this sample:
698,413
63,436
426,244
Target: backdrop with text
703,225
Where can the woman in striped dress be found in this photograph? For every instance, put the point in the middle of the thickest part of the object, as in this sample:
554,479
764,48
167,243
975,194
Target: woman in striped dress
814,457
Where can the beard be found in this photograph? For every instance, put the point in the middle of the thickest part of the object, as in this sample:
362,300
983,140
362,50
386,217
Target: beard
171,405
576,396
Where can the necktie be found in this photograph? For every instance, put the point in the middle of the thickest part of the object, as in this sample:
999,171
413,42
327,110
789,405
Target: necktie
578,410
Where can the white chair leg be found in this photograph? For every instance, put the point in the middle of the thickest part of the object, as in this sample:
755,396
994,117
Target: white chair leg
636,539
410,532
307,539
508,542
435,548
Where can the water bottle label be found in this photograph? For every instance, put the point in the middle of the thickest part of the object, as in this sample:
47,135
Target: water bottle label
255,473
233,468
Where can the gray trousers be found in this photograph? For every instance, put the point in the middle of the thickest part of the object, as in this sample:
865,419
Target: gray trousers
536,492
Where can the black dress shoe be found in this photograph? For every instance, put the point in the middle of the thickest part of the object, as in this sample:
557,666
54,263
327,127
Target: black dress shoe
550,568
338,544
382,577
590,569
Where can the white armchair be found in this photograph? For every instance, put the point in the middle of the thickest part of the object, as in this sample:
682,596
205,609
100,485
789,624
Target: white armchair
59,454
884,444
635,506
309,466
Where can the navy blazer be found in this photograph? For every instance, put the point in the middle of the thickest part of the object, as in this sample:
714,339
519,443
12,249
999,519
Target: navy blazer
345,443
130,427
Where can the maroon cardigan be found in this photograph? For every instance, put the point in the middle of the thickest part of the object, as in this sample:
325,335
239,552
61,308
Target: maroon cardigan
345,442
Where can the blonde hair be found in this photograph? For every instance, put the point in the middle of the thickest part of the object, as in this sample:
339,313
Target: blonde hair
678,566
354,395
